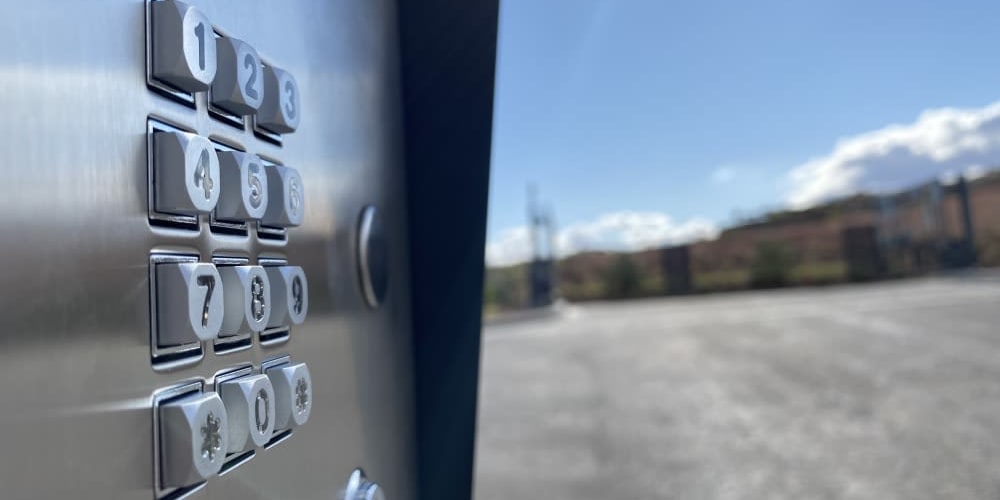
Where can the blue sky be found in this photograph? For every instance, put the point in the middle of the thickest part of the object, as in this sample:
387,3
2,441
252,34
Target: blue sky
646,122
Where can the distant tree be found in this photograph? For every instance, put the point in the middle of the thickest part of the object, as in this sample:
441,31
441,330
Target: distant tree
621,279
771,265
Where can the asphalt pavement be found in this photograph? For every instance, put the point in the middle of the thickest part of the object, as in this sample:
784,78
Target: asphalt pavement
883,391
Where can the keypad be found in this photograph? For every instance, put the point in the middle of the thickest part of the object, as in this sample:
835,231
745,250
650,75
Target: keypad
228,192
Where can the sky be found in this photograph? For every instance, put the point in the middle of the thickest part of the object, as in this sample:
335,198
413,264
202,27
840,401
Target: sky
650,122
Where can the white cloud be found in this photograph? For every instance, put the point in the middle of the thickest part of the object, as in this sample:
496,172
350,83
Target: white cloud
613,231
897,156
723,175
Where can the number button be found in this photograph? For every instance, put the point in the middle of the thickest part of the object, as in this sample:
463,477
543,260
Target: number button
186,173
244,193
189,303
286,197
239,85
184,53
280,111
194,434
247,292
249,404
293,395
289,295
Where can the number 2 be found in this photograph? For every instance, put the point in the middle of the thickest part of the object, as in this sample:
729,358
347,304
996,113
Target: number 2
199,31
209,283
251,63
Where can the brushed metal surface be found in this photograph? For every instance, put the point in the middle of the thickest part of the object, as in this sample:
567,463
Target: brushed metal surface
76,380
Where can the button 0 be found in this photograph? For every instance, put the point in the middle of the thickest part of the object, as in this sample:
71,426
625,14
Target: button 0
189,303
289,295
246,291
239,82
280,111
293,395
186,173
244,193
193,437
286,198
183,46
250,405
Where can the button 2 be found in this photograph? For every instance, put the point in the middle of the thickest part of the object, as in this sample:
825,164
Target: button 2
289,295
250,405
189,303
186,173
194,438
183,46
247,295
293,395
280,111
286,198
239,83
244,193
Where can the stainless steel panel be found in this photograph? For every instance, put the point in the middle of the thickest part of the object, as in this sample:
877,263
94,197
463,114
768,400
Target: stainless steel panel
76,380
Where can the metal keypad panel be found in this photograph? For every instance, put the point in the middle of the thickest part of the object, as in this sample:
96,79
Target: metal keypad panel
224,302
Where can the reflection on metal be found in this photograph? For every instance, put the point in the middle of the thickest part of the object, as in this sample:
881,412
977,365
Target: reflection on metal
373,266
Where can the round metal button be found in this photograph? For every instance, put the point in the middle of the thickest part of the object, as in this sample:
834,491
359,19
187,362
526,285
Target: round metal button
373,259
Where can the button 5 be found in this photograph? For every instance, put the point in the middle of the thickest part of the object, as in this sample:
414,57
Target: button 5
280,111
250,405
183,46
244,193
289,295
286,199
189,302
293,395
193,437
186,173
239,83
247,295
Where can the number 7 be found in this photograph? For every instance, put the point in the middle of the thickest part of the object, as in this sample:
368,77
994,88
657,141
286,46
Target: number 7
209,283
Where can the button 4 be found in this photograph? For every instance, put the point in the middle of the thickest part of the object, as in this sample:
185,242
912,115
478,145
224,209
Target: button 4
239,83
186,173
293,395
289,295
183,46
286,198
244,193
280,111
247,295
193,436
250,404
188,303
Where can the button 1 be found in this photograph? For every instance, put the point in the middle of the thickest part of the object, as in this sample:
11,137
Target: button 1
186,173
193,439
244,187
189,303
183,46
239,82
249,404
280,111
247,294
293,395
286,198
289,295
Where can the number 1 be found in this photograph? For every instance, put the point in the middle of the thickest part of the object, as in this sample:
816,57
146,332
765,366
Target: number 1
199,31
